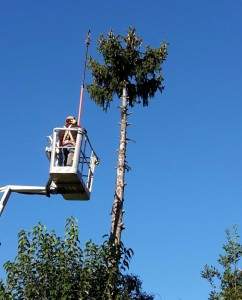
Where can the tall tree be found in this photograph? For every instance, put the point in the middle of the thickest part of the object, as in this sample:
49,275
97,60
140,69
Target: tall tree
226,281
49,267
133,73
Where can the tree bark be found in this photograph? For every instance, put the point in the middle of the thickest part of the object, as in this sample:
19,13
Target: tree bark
117,208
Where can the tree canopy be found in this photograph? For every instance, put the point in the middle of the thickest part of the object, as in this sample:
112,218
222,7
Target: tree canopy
125,62
226,281
49,267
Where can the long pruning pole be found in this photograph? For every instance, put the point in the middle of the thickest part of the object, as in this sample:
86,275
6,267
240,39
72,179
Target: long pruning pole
80,109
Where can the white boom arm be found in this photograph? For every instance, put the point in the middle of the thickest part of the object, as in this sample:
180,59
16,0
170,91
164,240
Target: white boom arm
22,189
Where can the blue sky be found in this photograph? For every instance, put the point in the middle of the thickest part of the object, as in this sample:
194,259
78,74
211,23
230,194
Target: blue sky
185,187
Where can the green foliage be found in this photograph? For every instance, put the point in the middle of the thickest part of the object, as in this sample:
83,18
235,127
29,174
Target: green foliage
125,64
226,283
48,267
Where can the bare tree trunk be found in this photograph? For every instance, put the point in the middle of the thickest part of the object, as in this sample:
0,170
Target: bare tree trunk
117,208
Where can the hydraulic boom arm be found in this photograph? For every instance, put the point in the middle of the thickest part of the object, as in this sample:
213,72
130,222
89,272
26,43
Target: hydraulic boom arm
22,189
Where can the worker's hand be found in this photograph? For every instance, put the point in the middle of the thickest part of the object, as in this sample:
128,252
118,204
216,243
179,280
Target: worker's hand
67,142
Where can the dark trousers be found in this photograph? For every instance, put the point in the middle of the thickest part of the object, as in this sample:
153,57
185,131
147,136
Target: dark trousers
66,156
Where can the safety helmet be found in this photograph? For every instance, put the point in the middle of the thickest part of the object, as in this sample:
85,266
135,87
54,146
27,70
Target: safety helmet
70,118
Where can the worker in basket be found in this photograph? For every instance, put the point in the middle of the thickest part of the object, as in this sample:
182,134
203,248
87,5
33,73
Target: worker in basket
67,141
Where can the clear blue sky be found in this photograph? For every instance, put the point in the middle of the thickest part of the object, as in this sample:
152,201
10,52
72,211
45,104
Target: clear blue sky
185,187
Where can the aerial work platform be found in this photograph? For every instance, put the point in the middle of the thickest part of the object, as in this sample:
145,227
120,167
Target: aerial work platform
71,170
72,167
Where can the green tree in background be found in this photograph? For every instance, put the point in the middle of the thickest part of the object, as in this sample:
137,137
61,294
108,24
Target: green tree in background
226,282
133,73
48,267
